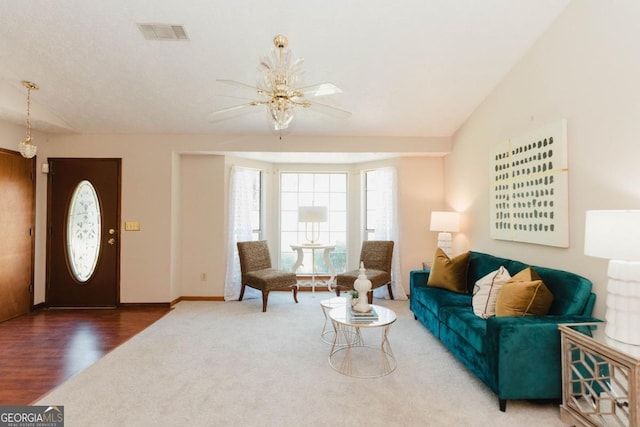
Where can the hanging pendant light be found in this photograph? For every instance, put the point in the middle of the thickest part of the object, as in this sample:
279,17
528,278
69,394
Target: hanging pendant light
26,147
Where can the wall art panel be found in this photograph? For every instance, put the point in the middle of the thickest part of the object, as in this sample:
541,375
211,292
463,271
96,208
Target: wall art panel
529,187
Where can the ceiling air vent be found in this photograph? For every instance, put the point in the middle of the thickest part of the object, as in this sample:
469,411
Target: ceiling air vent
163,32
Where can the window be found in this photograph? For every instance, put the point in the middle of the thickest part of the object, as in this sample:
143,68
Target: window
313,189
83,231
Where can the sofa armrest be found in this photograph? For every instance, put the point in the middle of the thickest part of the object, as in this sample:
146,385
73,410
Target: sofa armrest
418,278
525,355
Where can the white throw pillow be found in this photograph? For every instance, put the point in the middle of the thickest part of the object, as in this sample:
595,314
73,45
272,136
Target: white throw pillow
486,290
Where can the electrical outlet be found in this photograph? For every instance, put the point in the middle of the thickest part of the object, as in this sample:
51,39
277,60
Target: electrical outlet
203,277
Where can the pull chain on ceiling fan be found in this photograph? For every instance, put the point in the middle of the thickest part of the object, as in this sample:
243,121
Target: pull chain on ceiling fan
279,89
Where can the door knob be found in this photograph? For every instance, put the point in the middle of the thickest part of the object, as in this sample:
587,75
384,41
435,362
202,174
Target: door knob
111,241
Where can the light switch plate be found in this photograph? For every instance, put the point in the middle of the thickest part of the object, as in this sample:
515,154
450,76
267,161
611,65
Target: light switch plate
131,226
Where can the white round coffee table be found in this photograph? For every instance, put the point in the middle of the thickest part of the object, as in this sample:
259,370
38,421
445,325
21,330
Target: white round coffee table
353,357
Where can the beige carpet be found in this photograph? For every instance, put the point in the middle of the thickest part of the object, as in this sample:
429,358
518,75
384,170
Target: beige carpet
229,364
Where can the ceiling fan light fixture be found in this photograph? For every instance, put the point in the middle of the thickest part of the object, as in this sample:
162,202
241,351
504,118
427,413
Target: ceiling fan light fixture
280,91
281,118
26,147
278,74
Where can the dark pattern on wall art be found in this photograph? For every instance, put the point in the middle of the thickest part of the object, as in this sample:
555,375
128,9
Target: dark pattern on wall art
529,187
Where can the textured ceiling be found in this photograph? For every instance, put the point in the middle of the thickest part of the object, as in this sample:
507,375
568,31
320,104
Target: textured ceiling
410,68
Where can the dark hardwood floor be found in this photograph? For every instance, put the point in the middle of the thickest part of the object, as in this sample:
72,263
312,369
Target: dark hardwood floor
41,350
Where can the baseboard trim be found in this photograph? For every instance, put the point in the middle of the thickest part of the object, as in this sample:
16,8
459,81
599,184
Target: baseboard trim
126,305
39,306
195,298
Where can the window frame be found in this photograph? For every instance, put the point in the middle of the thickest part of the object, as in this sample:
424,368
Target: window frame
285,252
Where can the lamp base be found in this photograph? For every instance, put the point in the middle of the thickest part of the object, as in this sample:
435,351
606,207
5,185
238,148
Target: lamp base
623,302
444,242
315,234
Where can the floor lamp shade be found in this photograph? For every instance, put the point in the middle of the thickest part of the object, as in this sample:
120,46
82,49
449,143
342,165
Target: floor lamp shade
313,215
615,235
445,223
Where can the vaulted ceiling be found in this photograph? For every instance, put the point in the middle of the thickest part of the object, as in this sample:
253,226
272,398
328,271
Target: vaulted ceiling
409,68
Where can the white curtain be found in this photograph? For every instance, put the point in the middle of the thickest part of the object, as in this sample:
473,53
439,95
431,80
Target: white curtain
387,227
239,230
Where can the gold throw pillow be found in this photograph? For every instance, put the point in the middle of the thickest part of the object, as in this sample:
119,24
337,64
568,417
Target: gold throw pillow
524,295
449,273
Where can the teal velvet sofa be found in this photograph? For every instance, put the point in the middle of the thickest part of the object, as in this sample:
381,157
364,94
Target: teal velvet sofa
516,357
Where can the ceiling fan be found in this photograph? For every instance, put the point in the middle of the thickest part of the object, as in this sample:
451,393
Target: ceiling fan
279,89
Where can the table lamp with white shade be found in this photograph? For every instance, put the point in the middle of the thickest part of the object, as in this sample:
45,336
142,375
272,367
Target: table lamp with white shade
615,235
445,223
312,215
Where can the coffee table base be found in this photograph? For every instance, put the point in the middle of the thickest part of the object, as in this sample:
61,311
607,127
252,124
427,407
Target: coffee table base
355,359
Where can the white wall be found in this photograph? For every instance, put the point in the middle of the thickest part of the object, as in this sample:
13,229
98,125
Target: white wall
585,68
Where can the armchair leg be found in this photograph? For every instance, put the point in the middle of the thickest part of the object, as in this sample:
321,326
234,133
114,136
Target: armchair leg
337,291
295,293
370,297
241,292
390,291
265,298
503,404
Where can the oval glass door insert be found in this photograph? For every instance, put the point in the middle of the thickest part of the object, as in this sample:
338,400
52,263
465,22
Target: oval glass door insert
83,231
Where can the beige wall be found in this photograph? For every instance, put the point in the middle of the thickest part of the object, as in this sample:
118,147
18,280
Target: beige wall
202,219
203,216
586,69
176,189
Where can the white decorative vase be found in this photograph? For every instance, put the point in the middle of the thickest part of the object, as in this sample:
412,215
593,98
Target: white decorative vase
363,286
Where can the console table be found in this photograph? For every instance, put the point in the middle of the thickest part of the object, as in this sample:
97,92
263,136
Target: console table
600,378
326,250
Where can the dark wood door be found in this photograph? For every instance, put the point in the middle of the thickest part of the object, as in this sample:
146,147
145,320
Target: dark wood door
17,206
83,242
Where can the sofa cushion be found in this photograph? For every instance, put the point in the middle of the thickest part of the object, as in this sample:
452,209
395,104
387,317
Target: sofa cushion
571,292
525,294
449,273
481,264
485,293
466,324
435,298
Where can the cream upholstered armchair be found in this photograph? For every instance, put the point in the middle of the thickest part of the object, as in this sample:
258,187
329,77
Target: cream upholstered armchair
376,256
255,266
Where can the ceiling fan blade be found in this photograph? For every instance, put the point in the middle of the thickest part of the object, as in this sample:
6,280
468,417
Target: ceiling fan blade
239,97
241,91
239,84
328,110
230,112
320,89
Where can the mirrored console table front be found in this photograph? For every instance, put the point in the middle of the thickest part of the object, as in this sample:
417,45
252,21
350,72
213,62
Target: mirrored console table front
600,378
